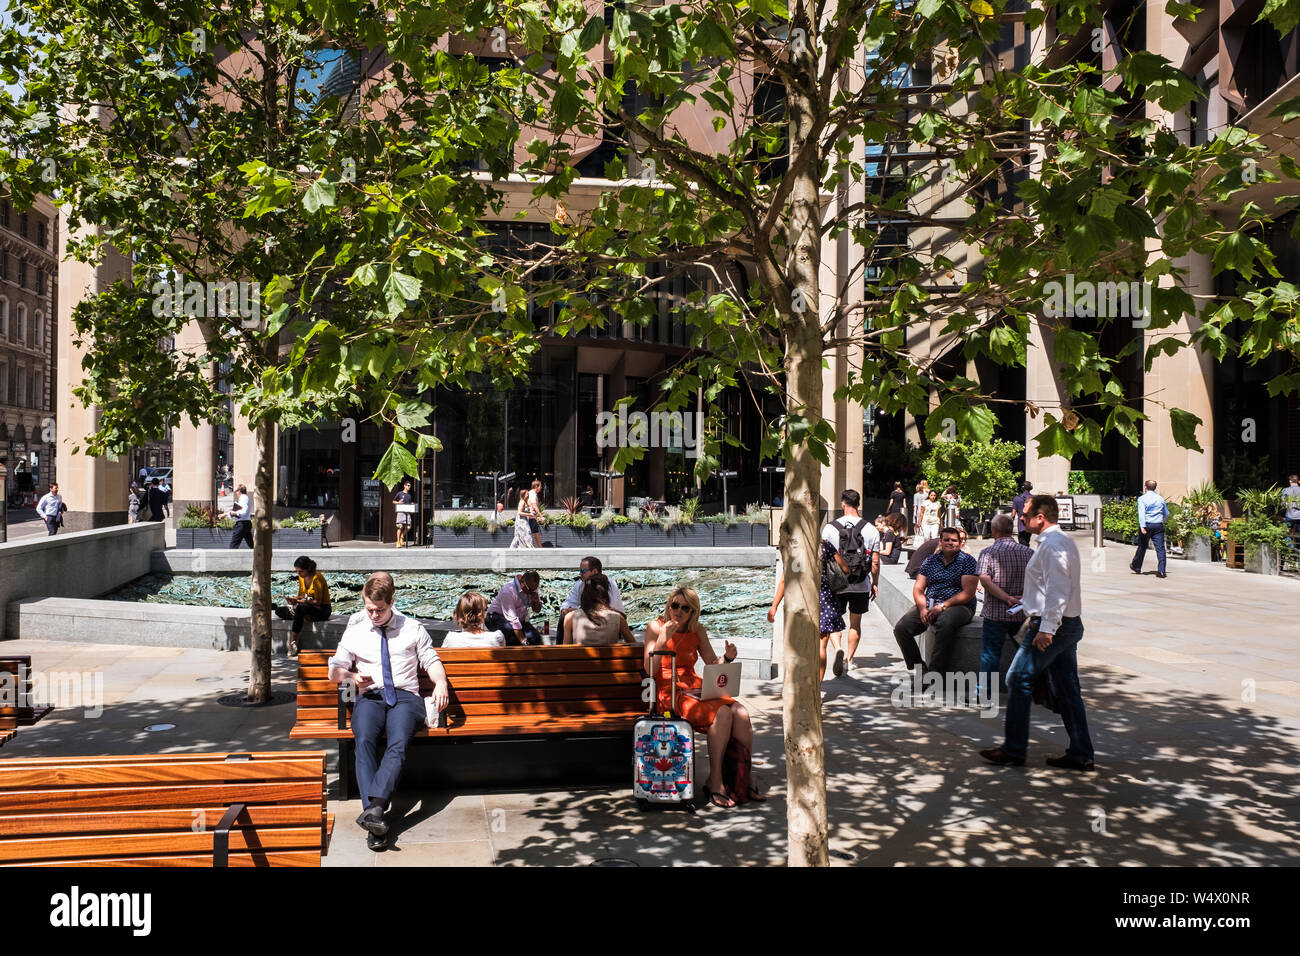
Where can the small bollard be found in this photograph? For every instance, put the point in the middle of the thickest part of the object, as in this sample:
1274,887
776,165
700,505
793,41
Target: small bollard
1098,539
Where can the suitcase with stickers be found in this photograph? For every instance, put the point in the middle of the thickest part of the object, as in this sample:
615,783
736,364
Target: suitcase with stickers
664,752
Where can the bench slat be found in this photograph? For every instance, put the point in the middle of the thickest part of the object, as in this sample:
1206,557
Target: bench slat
67,776
138,844
132,798
140,821
296,858
256,755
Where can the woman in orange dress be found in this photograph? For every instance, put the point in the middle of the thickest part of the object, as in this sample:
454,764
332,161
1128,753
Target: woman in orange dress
724,719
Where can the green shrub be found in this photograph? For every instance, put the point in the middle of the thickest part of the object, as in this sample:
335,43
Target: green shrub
580,521
1097,482
1119,517
454,523
981,471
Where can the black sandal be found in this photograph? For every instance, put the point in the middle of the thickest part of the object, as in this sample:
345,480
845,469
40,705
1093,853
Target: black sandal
713,796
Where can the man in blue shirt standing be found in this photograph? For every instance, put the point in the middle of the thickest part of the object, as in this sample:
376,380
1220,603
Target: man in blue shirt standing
1152,512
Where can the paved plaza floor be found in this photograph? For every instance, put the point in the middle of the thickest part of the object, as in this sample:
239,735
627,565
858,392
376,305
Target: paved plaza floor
1193,691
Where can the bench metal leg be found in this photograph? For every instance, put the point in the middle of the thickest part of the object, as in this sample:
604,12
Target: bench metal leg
347,758
221,836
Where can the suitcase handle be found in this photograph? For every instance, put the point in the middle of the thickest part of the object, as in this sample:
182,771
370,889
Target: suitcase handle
672,679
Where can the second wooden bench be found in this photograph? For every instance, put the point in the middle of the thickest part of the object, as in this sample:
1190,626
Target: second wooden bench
518,715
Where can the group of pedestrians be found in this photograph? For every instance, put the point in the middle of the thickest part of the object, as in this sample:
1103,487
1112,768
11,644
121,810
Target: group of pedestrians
1030,596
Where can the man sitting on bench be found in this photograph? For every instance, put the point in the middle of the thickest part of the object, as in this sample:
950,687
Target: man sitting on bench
381,655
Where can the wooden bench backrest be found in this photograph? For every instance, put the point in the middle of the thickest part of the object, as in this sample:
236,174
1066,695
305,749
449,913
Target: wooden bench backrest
15,690
521,683
162,809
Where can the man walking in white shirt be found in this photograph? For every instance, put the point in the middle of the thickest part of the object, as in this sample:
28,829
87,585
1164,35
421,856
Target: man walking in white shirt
242,512
1053,602
382,656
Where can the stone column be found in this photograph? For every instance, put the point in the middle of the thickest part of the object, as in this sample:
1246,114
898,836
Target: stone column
1184,380
194,447
1044,391
94,489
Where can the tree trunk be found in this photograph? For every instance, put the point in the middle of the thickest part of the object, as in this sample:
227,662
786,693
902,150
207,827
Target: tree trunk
800,541
259,680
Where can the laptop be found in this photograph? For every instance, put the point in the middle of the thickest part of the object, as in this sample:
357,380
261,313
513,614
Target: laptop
721,680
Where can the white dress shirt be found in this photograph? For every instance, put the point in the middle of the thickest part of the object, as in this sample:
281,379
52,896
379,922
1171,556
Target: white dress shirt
574,600
1052,580
241,510
409,649
482,639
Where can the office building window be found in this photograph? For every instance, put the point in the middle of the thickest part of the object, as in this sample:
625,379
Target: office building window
38,330
20,327
22,273
4,316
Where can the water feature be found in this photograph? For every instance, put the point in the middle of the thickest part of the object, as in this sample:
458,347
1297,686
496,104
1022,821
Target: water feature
734,600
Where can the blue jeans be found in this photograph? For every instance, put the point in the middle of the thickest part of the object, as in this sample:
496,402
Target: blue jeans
994,636
1062,663
1156,536
373,719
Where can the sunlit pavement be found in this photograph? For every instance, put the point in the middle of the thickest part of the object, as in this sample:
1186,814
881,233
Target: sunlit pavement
1192,685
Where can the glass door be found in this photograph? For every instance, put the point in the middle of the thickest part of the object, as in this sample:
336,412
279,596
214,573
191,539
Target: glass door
369,502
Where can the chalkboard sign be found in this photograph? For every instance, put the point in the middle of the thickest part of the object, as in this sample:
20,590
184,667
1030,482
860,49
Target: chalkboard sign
371,490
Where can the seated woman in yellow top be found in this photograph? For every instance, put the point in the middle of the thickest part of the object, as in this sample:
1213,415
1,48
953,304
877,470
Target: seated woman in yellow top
312,602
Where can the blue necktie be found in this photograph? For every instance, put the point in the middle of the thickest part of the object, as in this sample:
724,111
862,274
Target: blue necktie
386,662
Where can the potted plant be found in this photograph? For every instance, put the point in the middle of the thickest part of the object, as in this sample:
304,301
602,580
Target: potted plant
203,527
683,527
613,530
1119,520
453,532
1198,544
760,525
1259,532
731,531
573,528
297,533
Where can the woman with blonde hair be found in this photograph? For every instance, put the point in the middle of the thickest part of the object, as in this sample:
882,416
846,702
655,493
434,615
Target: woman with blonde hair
470,615
918,504
724,719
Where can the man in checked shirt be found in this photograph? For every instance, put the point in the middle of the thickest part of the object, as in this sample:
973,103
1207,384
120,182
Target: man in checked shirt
1002,575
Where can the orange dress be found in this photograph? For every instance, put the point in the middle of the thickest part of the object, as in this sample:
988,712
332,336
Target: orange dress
699,713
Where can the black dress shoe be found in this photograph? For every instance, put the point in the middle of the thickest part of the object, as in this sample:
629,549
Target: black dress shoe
1136,570
1069,763
376,842
1161,574
372,819
999,756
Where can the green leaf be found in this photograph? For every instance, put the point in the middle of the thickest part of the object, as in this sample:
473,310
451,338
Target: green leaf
1184,425
320,193
397,463
1235,251
399,290
591,33
412,413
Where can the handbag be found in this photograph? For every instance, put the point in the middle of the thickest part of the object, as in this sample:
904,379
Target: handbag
1044,691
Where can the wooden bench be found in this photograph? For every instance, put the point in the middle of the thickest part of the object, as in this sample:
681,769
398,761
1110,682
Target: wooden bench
240,809
580,701
16,708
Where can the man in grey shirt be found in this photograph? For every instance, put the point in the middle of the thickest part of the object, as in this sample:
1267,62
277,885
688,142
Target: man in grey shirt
1053,601
1291,498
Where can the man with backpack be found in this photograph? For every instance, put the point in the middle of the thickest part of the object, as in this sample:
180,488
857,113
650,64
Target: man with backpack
855,578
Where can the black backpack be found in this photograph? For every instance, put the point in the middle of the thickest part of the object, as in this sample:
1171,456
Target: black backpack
853,551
